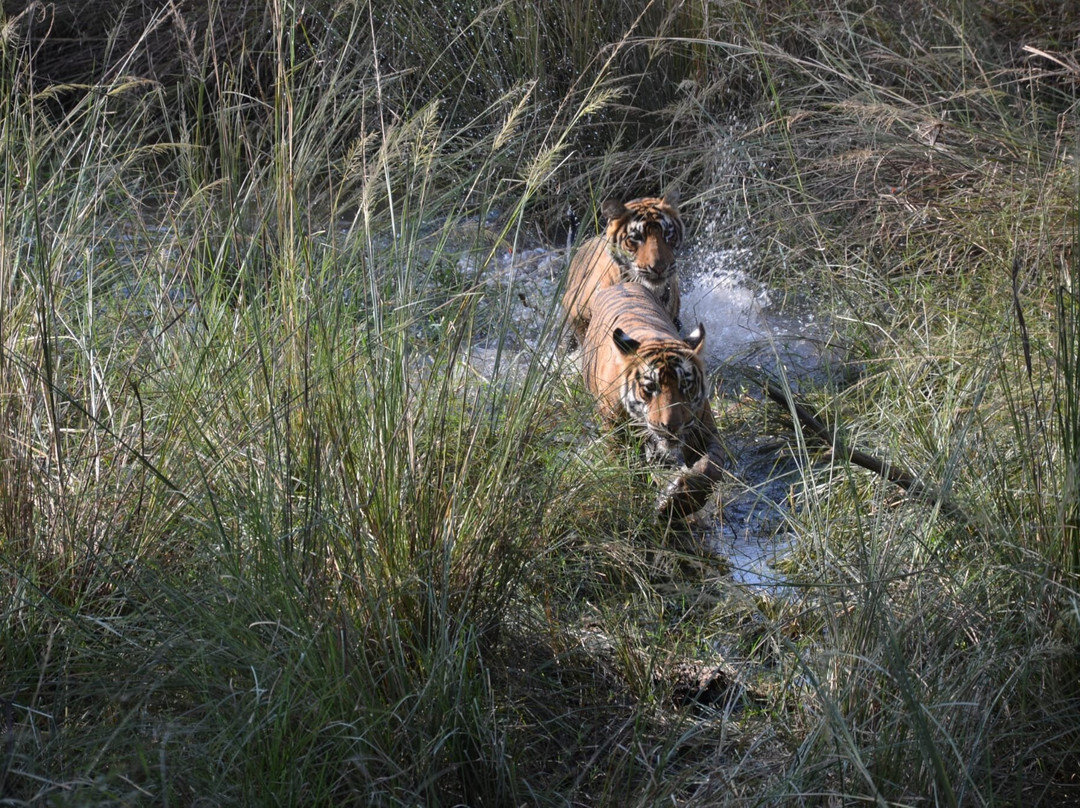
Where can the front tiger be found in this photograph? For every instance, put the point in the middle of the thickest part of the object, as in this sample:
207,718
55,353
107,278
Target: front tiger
645,376
638,247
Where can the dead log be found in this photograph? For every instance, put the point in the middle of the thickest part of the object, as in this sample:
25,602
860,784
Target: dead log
892,472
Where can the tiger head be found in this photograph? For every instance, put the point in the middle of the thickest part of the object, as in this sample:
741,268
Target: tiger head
643,235
663,390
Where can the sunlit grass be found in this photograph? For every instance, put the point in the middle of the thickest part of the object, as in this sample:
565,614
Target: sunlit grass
292,510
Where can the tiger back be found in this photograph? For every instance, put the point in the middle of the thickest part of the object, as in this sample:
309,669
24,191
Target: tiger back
643,374
638,246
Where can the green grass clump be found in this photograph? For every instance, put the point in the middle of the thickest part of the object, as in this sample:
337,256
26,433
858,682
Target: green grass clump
299,503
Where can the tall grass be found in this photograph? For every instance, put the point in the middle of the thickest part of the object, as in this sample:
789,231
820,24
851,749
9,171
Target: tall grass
293,510
260,523
911,173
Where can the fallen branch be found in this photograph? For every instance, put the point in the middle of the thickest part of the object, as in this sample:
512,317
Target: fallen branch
893,473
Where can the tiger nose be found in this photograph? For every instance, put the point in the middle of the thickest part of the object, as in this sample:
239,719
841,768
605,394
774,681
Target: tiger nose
672,420
661,258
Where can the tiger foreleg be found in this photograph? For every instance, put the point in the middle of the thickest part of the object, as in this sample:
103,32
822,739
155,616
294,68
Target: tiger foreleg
684,495
691,488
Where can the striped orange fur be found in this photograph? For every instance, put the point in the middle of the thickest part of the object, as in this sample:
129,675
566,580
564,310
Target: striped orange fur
638,246
646,378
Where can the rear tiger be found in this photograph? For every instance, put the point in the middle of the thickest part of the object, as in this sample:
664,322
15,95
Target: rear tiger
638,247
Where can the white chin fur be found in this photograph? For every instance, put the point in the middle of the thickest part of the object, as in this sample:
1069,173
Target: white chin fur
666,452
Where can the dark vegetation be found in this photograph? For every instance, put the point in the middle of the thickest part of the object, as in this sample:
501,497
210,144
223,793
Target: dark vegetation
270,535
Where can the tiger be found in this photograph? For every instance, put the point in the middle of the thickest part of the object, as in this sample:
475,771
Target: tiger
638,246
645,377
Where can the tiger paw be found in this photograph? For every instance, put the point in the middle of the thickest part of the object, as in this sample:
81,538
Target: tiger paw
684,495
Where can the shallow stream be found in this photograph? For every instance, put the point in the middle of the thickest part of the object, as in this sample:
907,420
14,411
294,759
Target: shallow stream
747,334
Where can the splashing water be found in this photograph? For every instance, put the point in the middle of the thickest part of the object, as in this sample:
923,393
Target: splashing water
719,296
747,335
744,331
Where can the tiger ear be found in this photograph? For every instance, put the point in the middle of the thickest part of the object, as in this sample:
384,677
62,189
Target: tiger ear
613,209
672,197
696,340
626,344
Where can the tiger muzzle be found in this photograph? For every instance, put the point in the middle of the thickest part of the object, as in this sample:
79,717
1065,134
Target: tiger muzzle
655,260
666,432
664,452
